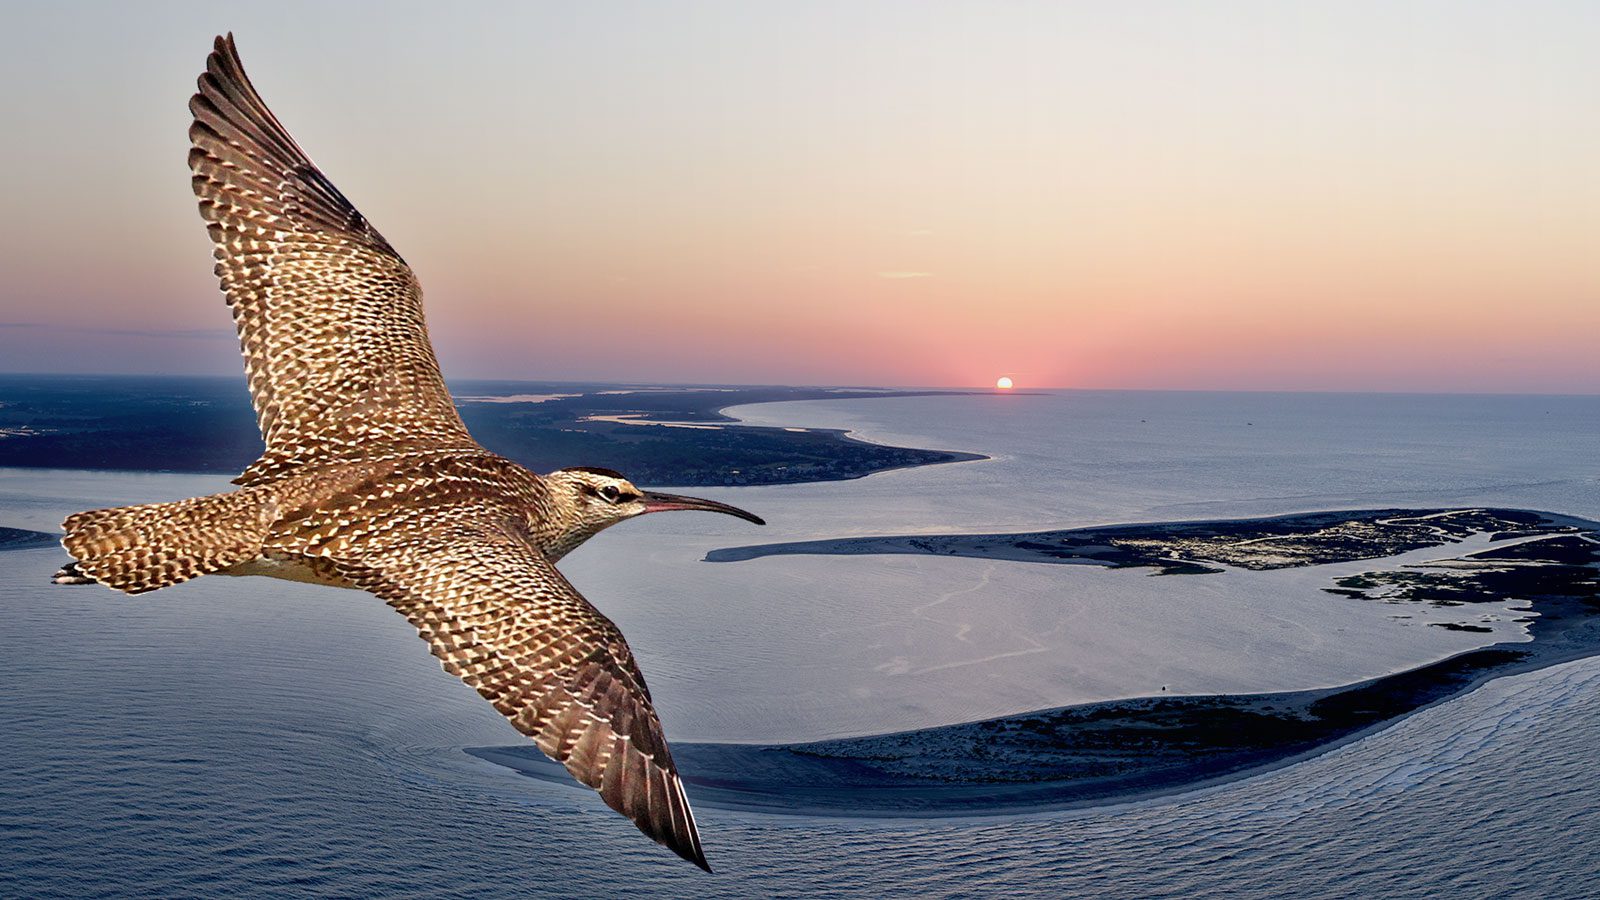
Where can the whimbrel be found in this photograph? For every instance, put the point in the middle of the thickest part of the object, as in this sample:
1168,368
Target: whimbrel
370,480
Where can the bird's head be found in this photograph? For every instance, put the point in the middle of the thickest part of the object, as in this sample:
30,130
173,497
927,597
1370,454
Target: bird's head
601,498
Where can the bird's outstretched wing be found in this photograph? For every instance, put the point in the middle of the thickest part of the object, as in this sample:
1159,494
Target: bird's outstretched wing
499,616
329,316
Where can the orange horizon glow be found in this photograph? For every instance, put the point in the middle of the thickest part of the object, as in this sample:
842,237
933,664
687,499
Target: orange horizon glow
1349,197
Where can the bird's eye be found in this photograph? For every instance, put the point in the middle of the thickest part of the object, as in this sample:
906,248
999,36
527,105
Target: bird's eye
609,494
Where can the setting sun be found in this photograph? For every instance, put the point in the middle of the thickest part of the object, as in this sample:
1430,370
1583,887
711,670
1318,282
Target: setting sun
1003,383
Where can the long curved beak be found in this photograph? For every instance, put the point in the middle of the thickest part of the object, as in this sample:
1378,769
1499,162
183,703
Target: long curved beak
654,502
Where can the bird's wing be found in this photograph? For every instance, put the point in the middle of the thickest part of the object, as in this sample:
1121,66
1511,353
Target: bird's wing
329,316
499,616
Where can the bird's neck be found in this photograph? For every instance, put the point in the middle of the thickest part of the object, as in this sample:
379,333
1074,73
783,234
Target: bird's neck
568,539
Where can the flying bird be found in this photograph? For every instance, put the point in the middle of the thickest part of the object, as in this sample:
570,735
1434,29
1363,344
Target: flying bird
369,479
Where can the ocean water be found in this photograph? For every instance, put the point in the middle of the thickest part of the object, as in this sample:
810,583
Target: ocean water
231,737
1094,457
837,646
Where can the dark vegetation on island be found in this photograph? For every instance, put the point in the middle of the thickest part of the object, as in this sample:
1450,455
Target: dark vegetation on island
1098,752
206,425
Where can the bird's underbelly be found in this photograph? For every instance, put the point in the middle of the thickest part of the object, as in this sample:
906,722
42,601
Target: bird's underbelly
287,570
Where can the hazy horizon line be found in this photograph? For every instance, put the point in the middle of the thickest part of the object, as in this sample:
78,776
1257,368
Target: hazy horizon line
987,389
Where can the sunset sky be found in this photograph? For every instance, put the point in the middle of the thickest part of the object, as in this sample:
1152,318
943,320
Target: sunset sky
1340,196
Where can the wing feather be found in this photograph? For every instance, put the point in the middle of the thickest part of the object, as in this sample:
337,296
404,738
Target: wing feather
329,316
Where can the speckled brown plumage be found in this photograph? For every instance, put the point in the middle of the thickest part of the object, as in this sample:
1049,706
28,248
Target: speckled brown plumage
370,480
141,548
449,543
329,316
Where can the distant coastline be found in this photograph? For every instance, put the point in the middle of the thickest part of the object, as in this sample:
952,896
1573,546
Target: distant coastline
1123,750
657,435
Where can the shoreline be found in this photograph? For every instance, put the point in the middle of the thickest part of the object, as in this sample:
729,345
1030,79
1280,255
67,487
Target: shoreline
862,436
851,436
205,427
1129,750
891,799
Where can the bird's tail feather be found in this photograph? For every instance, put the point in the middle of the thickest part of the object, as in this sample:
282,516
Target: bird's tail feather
141,548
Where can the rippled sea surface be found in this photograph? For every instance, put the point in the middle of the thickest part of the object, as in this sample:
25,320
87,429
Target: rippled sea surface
258,738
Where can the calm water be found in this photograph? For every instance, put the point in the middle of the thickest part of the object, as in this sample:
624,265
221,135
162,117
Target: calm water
249,737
